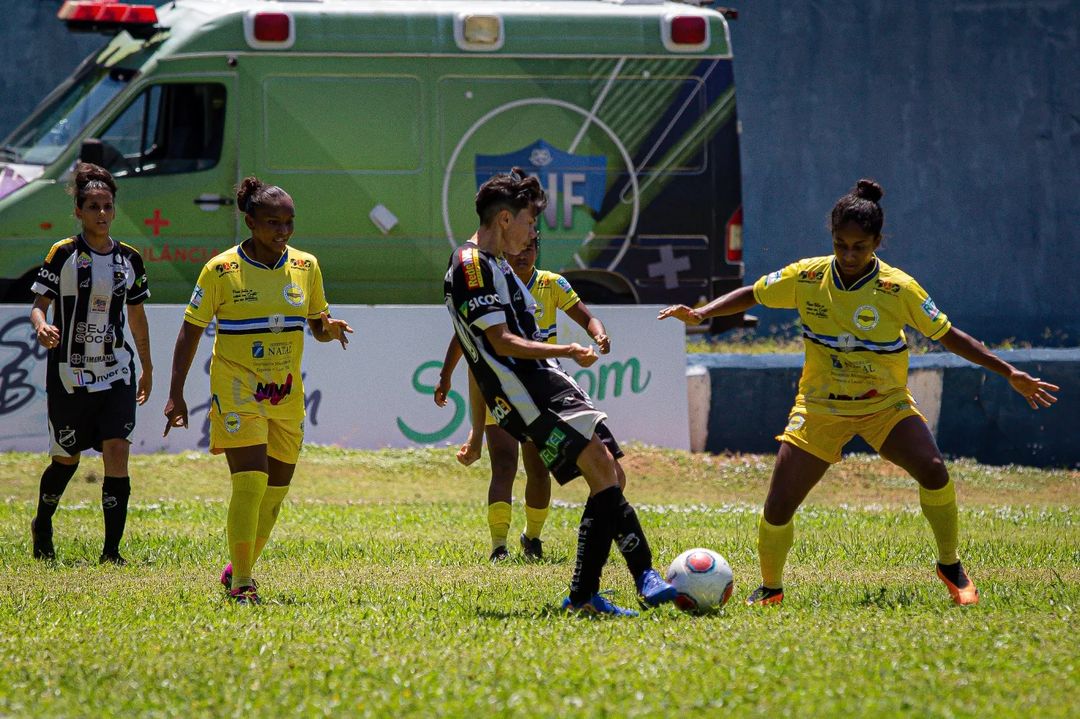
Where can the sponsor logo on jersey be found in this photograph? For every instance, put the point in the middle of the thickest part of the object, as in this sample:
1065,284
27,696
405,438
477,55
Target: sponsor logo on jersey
273,392
257,350
811,275
240,296
470,259
93,333
225,268
887,286
276,322
561,282
301,264
554,443
293,294
866,317
83,261
196,297
772,277
930,309
99,303
231,422
49,276
476,303
501,410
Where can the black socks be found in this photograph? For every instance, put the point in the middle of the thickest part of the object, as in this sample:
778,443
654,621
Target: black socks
54,480
630,538
598,525
114,505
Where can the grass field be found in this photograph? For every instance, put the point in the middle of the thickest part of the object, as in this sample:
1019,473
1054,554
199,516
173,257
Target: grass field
380,601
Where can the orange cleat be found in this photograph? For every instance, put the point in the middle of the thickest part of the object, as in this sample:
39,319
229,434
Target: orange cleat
962,589
764,596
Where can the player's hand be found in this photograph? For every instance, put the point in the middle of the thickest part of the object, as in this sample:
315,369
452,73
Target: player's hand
603,342
681,312
584,356
335,329
441,390
146,383
1034,390
470,451
176,414
48,336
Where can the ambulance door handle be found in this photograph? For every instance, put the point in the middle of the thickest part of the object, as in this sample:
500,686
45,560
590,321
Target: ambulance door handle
210,202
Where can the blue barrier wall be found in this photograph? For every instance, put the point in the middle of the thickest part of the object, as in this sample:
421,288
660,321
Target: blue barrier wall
978,414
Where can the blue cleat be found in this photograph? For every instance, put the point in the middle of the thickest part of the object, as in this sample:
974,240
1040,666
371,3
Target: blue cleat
597,605
653,590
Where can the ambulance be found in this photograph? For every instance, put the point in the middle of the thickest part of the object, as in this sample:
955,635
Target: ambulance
381,118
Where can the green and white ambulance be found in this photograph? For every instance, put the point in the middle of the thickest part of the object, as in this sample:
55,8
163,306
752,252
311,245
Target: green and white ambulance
381,118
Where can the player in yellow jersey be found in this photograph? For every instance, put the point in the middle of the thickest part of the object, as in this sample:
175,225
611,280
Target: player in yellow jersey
552,293
263,294
853,309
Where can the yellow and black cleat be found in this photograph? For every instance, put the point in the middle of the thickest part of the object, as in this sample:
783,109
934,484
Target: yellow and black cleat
764,596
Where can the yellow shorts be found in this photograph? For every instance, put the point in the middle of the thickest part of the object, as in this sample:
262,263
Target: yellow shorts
824,435
282,437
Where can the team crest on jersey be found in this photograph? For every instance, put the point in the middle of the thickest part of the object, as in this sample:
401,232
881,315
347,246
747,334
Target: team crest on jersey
231,422
83,261
293,294
795,423
930,309
470,259
257,349
276,322
99,303
866,317
65,437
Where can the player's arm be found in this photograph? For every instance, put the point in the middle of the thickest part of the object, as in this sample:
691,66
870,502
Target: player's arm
732,303
140,332
47,335
187,342
509,344
325,328
580,313
1033,389
450,360
470,451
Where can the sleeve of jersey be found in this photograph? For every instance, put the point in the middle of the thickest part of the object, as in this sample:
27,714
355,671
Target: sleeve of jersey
477,299
565,295
139,291
777,289
204,302
922,313
47,282
318,304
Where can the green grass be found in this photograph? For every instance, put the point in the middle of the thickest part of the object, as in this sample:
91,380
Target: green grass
380,603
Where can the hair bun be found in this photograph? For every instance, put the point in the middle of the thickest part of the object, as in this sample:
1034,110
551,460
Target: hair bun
247,187
868,190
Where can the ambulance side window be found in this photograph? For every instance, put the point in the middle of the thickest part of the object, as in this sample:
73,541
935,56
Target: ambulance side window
167,129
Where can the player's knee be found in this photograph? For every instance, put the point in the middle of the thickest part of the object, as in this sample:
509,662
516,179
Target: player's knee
932,472
778,511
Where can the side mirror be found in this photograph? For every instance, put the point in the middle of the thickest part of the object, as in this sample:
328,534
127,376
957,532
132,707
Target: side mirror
92,151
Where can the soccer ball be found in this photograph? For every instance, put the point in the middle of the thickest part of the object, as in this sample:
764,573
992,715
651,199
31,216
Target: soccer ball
702,579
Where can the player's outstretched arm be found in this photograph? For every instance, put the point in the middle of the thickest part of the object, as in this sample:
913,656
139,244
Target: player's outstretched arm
732,303
509,344
450,360
48,336
140,332
1033,389
471,450
187,341
580,313
327,329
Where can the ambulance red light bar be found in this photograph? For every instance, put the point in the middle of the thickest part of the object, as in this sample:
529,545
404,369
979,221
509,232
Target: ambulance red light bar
109,16
684,33
269,30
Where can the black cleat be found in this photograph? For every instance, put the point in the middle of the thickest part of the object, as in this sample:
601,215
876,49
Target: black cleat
112,558
764,596
43,544
499,554
532,548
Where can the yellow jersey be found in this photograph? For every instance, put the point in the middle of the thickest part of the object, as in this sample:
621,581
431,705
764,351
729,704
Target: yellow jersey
552,293
856,351
262,314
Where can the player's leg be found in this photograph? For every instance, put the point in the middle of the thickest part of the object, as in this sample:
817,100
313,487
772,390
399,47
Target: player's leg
795,473
503,453
284,439
910,445
250,472
116,422
67,438
537,500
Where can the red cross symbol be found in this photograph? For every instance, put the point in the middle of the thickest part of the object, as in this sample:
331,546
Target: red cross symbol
157,222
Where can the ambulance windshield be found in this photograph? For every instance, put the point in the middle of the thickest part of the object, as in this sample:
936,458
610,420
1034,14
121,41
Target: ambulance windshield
64,114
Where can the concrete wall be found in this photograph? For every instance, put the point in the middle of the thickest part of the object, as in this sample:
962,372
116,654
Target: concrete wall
740,403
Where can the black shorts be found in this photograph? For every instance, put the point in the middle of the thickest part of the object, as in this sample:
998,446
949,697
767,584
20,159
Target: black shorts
564,420
83,420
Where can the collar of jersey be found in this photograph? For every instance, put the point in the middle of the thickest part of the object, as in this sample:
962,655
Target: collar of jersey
857,283
532,280
86,245
261,266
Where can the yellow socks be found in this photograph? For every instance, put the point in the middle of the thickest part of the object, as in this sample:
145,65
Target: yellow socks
268,514
939,508
773,545
534,521
247,494
499,523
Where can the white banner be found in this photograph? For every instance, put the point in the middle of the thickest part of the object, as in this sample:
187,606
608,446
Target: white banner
378,392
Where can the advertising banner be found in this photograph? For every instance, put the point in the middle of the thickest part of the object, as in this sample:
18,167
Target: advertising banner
378,392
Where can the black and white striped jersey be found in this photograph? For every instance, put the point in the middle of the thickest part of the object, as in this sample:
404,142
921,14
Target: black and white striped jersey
89,291
482,291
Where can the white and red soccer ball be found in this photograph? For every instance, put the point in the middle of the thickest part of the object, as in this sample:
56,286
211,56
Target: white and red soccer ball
702,578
